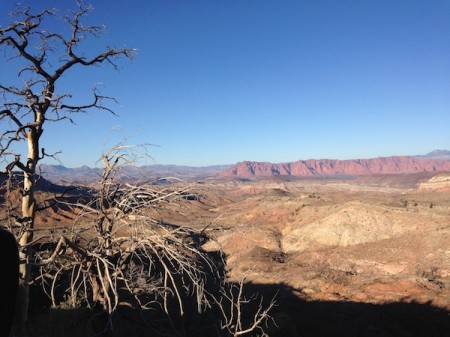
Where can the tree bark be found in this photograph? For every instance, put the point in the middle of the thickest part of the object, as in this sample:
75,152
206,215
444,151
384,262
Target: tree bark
28,218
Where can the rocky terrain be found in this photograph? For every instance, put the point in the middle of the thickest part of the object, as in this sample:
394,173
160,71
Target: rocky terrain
365,255
334,239
345,251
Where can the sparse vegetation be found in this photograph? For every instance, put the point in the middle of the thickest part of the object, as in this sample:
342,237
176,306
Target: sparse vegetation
404,202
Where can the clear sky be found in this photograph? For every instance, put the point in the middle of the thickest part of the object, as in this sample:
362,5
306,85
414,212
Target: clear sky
217,82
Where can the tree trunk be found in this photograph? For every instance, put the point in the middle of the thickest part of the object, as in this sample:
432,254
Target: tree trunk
28,217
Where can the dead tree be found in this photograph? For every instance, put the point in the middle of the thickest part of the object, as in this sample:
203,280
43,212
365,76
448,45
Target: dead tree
119,256
35,98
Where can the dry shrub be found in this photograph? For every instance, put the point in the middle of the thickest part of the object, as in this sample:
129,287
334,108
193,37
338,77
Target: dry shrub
120,261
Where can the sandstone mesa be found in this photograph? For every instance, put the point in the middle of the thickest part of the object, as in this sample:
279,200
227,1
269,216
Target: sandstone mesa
313,167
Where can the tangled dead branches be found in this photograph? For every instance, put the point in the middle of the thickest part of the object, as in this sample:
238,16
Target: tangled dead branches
118,256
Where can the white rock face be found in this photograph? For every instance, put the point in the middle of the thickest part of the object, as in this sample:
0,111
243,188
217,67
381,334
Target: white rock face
439,182
352,224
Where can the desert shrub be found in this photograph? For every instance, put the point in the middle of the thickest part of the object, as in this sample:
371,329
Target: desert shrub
127,267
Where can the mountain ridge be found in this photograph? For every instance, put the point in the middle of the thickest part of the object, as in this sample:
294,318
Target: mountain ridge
434,161
86,174
431,162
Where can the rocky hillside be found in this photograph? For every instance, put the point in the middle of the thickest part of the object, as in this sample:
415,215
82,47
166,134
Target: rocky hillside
313,167
440,182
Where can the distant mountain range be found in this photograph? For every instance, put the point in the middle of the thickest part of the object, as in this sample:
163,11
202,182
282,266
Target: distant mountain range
436,154
435,161
86,174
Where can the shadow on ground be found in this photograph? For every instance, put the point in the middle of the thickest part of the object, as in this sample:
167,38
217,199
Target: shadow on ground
293,316
300,317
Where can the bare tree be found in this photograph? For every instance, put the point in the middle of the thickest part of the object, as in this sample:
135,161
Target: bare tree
35,98
119,256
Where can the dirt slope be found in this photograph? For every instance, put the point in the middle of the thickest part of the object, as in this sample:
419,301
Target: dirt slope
344,242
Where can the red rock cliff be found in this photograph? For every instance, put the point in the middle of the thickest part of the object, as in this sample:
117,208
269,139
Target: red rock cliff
311,167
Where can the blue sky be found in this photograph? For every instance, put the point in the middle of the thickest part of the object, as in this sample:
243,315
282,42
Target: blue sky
217,82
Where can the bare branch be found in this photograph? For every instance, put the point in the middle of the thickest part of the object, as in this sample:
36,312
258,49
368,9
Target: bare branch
231,305
13,118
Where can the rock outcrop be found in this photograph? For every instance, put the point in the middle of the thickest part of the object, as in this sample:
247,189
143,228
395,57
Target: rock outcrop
440,182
